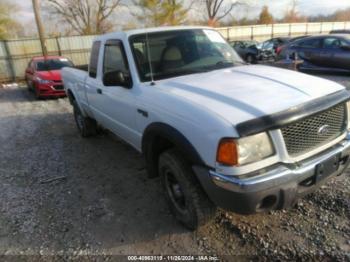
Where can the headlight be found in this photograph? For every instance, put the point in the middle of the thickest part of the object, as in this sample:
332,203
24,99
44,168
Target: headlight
43,81
234,152
348,113
254,148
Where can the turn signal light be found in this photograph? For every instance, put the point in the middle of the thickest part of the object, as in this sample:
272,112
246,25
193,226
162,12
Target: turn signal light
227,152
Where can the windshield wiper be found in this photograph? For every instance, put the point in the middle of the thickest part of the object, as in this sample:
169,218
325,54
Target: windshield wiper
219,65
181,72
241,63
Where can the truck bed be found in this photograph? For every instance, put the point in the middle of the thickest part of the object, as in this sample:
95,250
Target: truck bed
74,79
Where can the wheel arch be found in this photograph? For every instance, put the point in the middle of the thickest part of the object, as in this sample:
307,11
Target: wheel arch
159,137
71,96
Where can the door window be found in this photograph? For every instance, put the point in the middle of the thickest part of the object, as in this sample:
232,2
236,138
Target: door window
310,43
114,58
333,43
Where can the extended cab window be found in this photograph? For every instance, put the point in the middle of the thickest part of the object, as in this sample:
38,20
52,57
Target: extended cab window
310,43
334,43
114,57
94,59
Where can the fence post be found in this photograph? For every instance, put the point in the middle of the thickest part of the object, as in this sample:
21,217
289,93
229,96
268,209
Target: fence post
58,46
228,33
321,28
290,30
307,28
272,30
251,33
9,61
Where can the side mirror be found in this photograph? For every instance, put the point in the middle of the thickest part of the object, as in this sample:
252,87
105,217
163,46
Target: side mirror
29,71
116,78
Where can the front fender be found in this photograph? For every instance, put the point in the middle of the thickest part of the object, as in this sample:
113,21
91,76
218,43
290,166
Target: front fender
151,149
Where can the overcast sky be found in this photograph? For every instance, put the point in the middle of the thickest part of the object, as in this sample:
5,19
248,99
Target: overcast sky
277,8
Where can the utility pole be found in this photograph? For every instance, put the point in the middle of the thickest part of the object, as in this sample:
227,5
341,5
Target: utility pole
39,25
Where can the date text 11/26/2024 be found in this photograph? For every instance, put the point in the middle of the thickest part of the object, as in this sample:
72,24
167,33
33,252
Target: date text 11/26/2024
173,258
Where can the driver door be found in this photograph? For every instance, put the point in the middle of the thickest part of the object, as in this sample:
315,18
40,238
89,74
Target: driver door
118,104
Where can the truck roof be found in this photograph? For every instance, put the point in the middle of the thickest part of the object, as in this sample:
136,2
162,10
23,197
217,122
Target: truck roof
126,34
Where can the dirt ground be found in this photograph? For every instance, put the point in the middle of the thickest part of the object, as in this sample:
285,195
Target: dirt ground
71,197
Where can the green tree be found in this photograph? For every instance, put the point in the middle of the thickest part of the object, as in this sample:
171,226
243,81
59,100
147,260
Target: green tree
150,12
173,12
265,16
161,12
9,27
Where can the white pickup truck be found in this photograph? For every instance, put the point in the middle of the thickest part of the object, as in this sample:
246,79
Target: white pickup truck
219,132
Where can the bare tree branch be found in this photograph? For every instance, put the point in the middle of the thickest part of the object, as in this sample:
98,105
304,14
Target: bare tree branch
218,9
86,16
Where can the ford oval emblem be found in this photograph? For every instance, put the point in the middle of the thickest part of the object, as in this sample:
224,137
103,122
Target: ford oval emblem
323,130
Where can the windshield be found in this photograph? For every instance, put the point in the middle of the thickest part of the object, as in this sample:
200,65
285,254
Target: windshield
53,64
250,43
176,53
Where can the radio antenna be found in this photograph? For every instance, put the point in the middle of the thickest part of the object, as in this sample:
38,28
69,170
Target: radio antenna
149,60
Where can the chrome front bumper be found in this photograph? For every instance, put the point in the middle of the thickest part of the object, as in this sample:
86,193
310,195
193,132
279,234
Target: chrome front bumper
276,187
281,173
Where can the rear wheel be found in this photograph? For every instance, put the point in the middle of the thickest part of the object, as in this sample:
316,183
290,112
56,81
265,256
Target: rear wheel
188,202
86,126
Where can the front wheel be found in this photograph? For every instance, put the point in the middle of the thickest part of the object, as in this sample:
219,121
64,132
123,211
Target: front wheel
251,59
36,92
29,85
188,202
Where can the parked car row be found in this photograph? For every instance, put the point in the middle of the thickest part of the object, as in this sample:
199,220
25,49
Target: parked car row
253,51
328,53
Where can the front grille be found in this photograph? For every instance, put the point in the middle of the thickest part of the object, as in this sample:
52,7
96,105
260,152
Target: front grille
58,87
314,131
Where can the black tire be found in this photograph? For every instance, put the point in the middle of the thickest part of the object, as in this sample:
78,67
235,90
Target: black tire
37,93
87,127
29,86
250,59
188,202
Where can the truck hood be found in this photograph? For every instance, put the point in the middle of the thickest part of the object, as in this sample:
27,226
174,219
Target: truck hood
242,93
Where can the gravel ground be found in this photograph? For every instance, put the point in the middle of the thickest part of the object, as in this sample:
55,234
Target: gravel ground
77,198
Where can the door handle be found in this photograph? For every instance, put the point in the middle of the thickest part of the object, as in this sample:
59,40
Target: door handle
99,91
142,112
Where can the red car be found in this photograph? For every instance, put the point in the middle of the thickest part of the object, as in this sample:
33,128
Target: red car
43,76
